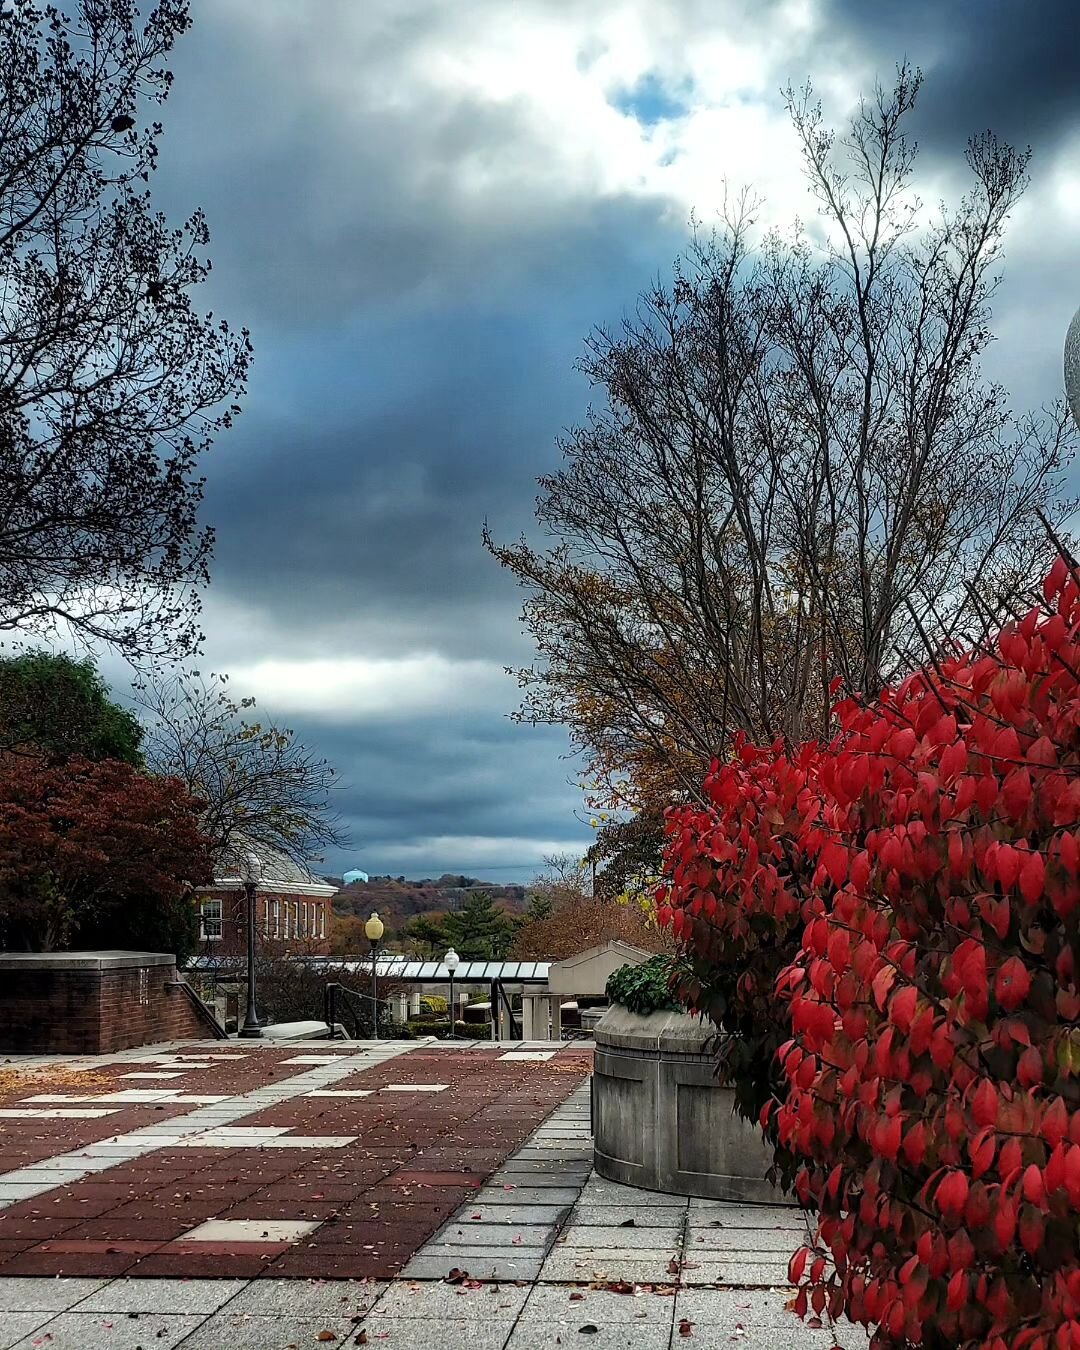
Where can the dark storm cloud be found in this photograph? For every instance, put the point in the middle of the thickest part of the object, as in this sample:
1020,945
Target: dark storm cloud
1010,65
419,270
405,785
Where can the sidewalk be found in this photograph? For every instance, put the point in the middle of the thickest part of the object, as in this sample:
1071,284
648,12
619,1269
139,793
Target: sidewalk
537,1250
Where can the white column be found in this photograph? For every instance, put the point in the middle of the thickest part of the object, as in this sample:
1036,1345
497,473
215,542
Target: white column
528,1017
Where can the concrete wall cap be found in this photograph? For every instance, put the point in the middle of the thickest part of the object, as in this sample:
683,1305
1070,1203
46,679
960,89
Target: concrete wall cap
656,1032
112,960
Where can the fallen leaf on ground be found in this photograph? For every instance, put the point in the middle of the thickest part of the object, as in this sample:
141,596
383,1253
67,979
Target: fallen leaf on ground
686,1327
589,1329
673,1266
326,1336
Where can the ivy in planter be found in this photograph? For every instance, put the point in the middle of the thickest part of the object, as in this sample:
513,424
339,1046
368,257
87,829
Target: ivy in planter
646,988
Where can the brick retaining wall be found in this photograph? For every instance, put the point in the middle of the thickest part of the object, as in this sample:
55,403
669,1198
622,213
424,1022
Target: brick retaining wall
89,1003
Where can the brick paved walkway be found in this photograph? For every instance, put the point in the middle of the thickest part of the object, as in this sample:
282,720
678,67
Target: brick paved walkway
318,1160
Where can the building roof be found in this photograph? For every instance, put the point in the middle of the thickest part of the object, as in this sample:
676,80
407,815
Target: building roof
408,970
280,873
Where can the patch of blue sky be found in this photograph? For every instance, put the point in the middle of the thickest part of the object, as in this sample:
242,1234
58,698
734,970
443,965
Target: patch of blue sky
650,101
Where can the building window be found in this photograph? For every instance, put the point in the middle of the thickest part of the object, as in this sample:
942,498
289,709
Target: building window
322,921
210,920
273,918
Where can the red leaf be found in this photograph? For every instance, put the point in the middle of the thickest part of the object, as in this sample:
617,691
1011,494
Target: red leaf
1013,983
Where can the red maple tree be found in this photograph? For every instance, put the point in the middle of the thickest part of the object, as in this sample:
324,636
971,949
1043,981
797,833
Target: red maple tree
88,845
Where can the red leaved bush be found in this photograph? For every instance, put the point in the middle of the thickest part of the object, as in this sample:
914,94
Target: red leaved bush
735,905
932,1074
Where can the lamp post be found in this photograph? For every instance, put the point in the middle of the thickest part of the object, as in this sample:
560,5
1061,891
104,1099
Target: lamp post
451,961
250,873
374,929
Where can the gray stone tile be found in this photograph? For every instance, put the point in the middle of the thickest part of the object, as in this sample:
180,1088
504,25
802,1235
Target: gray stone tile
529,1165
746,1216
612,1216
583,1264
599,1192
415,1333
504,1216
713,1336
753,1307
44,1294
736,1271
305,1298
101,1331
449,1302
787,1240
525,1195
595,1335
850,1336
225,1331
557,1303
480,1264
495,1235
15,1325
194,1297
622,1239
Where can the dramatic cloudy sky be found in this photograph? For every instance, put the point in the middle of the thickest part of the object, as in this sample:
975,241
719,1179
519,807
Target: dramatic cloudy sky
420,207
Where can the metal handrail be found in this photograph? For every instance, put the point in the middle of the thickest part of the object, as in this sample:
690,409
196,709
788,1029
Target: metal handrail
330,1005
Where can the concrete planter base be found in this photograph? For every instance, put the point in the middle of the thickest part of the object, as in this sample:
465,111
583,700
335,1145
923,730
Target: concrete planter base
660,1119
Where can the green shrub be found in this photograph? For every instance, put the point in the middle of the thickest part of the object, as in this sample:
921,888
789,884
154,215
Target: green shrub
646,988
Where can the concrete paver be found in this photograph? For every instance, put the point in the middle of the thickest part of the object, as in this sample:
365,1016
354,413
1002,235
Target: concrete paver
160,1296
225,1331
608,1336
37,1295
15,1326
97,1331
305,1298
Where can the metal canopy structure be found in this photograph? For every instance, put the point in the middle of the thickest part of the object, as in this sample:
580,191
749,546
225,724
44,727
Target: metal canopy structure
409,971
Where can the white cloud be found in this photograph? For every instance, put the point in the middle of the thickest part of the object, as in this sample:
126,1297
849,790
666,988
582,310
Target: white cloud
352,688
471,853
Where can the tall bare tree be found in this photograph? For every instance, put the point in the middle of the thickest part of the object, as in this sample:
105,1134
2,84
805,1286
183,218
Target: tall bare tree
260,785
111,384
798,466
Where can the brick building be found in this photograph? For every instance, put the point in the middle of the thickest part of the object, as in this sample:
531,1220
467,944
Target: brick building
292,907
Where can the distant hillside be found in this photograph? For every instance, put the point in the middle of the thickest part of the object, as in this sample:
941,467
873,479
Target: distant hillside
398,900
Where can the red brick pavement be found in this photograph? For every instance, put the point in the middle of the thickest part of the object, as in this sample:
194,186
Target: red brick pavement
415,1159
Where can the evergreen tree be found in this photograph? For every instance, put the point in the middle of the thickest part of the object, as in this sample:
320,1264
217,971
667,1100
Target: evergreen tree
540,907
426,931
480,931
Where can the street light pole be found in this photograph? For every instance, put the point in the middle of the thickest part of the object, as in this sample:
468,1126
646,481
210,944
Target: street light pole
374,929
451,961
250,872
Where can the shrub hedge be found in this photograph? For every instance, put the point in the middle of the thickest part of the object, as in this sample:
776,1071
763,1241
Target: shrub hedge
926,867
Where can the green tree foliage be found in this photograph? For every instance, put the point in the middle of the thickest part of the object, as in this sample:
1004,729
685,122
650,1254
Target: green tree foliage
427,931
479,931
540,907
60,707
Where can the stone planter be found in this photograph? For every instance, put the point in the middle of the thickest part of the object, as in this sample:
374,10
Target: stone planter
660,1119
